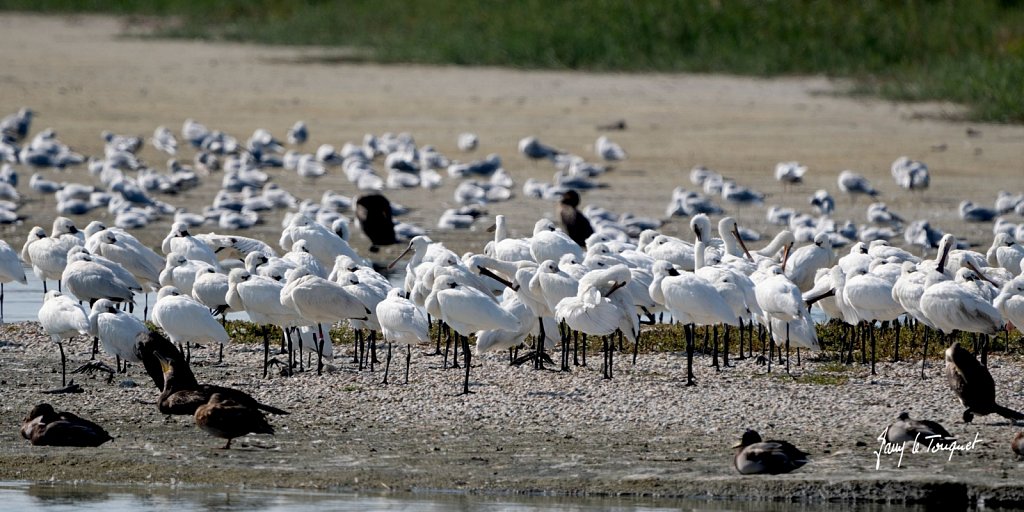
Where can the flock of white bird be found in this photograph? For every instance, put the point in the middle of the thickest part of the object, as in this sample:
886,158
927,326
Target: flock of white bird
515,291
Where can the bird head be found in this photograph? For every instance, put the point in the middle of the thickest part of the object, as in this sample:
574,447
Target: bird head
749,437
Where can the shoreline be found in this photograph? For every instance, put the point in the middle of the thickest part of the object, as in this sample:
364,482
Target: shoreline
524,432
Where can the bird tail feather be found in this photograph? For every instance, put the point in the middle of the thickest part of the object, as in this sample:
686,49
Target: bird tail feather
1008,413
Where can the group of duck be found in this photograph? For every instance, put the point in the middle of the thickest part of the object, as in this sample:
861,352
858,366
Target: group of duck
220,411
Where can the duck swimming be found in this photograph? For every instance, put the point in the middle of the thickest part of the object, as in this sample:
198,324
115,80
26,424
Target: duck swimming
754,456
228,419
46,427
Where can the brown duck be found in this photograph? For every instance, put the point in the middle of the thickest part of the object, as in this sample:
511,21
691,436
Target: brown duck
183,395
46,427
228,419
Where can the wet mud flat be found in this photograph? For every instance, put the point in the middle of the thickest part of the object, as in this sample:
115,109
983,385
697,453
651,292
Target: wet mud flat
524,431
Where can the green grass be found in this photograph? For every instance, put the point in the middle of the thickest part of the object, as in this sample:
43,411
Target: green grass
967,51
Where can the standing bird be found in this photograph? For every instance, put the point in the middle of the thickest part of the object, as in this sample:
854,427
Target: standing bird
467,310
260,297
61,317
803,264
88,280
853,184
185,320
228,419
117,331
754,456
10,270
973,385
373,213
823,202
46,427
318,301
576,224
1010,302
48,255
401,322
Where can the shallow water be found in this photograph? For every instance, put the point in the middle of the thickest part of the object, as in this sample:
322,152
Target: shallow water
32,496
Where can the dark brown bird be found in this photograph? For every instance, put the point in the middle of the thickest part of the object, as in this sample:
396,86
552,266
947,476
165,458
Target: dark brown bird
373,211
973,385
577,226
46,427
754,456
184,395
147,345
228,419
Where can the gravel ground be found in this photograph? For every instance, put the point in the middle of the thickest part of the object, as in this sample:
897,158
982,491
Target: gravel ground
523,431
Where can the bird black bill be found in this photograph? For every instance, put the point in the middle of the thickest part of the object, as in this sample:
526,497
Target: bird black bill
489,273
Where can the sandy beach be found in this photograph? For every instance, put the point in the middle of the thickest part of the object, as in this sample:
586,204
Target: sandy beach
524,431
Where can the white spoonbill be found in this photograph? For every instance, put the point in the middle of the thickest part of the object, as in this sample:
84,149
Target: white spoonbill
180,241
505,248
88,281
550,243
401,322
260,297
322,243
185,320
116,330
49,255
779,299
319,301
690,300
61,317
870,297
467,310
1010,302
907,291
210,288
804,262
1006,253
951,306
10,271
180,272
